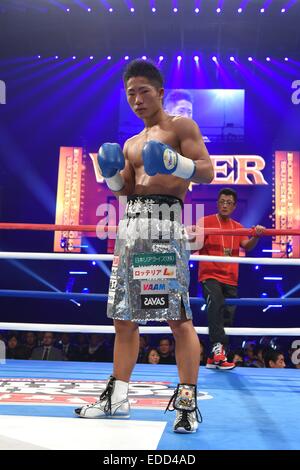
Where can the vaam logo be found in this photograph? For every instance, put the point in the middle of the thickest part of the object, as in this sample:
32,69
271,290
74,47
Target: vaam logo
2,92
296,93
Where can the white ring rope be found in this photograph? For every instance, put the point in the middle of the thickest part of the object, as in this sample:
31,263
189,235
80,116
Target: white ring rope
105,257
144,329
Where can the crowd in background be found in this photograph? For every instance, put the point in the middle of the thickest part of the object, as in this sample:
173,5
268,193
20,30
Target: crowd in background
153,349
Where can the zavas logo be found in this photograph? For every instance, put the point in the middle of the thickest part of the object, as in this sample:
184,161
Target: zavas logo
155,301
2,92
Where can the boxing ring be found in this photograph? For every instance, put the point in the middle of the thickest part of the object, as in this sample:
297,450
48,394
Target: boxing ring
246,408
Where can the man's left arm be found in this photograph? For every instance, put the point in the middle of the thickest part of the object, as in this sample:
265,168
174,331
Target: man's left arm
193,147
252,242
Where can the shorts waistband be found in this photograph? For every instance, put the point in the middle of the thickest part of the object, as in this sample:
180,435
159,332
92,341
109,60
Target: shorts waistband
155,199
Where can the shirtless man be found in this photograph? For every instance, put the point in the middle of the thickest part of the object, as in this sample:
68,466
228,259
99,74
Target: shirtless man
154,170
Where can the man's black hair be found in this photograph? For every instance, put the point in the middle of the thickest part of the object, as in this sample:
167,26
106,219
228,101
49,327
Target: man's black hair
177,95
271,355
143,68
228,192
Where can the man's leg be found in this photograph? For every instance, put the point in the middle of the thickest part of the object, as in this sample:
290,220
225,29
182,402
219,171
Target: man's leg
187,350
214,297
126,349
113,402
230,292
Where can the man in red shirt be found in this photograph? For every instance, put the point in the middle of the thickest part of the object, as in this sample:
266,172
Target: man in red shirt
219,280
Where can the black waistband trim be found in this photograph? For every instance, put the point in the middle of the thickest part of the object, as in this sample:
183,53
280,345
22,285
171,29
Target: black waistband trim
157,198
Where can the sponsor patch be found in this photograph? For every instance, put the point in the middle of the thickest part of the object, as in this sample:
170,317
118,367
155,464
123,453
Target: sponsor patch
155,272
154,259
155,301
170,159
154,287
112,285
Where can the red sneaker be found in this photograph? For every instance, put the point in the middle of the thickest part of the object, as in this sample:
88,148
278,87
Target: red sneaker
219,359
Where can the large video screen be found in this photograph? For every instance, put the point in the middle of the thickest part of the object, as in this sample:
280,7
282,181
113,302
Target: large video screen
219,113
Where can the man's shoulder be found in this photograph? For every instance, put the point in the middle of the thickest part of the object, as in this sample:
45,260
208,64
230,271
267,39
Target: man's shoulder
209,219
237,224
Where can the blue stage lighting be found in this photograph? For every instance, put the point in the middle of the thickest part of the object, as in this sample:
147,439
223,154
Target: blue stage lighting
91,57
240,10
74,57
286,59
231,58
197,10
218,10
256,267
179,58
68,10
250,59
132,10
78,272
175,10
273,278
264,294
110,10
283,10
268,59
153,9
38,56
203,307
89,10
262,10
214,58
191,265
144,57
94,263
56,57
161,57
108,57
196,58
126,57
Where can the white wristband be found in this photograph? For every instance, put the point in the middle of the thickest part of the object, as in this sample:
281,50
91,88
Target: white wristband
185,167
116,182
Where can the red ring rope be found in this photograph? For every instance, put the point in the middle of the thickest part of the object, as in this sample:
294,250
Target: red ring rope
113,228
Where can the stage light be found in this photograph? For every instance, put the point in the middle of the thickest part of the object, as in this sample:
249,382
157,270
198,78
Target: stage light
56,57
68,10
273,278
94,263
132,10
108,57
283,10
144,57
250,59
286,59
126,57
231,58
197,10
240,10
256,267
179,58
268,59
78,272
191,265
153,9
262,10
203,307
110,10
89,10
264,294
175,10
196,58
91,57
218,10
74,57
38,56
214,58
161,57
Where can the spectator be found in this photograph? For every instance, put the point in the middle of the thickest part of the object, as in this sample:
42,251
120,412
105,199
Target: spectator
30,341
97,350
153,357
274,359
47,352
14,350
70,351
165,351
143,349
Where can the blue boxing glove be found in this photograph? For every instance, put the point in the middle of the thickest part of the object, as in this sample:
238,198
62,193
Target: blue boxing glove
160,158
111,160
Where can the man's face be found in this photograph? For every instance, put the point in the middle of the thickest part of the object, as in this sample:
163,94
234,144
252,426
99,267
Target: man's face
226,205
279,363
181,108
164,347
48,339
143,98
30,338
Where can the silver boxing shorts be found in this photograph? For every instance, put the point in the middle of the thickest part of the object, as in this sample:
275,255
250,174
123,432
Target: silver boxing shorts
150,270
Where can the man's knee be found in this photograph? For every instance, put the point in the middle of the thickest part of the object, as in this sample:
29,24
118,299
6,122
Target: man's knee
180,328
125,327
